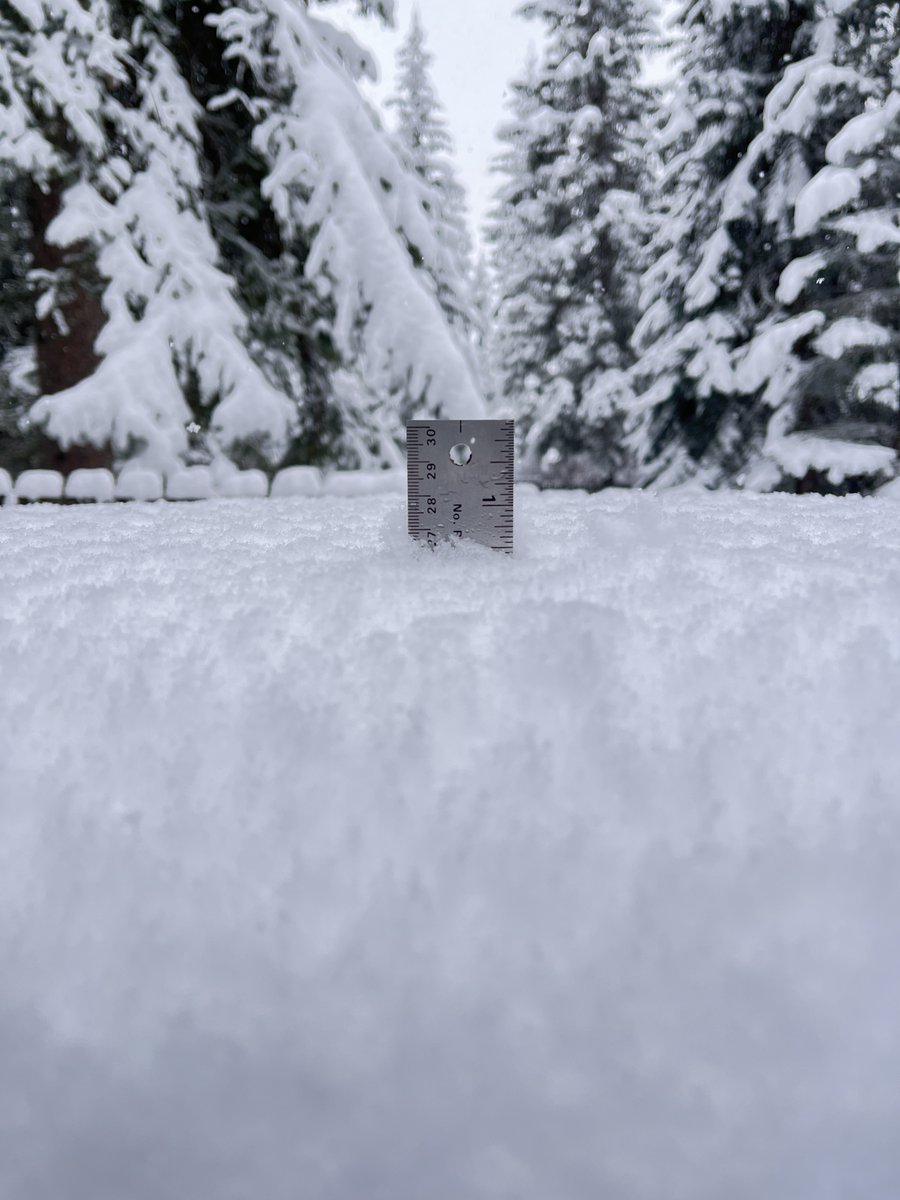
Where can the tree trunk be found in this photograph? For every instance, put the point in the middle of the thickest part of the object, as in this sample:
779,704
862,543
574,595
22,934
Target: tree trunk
66,339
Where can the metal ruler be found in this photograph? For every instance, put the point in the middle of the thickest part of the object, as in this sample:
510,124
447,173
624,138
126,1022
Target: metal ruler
460,476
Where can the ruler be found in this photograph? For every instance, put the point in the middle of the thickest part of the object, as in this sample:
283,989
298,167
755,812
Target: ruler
460,476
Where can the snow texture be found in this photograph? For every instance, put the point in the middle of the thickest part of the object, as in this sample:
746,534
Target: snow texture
334,868
97,485
139,483
297,481
799,452
39,485
190,483
830,190
243,484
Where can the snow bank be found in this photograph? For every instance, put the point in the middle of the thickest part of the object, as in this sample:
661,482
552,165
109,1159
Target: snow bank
39,485
332,868
98,486
190,483
243,485
297,481
139,483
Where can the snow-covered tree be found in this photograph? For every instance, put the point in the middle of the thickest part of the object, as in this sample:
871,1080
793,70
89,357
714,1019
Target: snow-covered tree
515,248
20,445
428,147
220,231
335,176
577,173
769,340
135,315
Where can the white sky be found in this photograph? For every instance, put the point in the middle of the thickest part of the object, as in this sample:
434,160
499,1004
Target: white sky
479,46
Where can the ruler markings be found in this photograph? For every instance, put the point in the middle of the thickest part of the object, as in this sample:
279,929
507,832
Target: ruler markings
472,499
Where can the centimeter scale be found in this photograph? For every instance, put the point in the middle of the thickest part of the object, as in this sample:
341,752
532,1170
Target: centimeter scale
460,476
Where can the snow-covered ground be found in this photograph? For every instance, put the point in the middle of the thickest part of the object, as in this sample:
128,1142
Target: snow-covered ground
334,869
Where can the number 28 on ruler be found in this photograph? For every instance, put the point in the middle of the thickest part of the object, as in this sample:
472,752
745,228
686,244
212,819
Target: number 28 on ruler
460,476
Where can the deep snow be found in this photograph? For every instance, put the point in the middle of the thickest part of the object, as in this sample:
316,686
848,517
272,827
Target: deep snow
335,869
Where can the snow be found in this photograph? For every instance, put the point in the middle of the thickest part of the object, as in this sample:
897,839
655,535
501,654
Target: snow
139,483
95,485
864,131
872,230
366,483
6,483
243,484
848,332
190,483
297,481
797,274
39,485
334,868
829,190
799,452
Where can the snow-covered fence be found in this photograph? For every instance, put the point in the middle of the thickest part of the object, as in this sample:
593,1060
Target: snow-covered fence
192,483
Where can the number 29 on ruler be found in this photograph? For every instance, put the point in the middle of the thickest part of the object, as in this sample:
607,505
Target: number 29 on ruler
461,477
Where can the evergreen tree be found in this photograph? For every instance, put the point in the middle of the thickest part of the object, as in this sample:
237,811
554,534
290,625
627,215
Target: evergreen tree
334,176
515,247
135,317
771,309
584,176
220,236
428,148
20,445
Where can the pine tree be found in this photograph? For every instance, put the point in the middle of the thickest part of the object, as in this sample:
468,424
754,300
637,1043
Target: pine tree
772,305
136,322
428,148
515,247
221,236
579,185
20,444
335,177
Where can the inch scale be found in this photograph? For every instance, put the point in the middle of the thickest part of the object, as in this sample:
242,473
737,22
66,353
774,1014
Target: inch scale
460,477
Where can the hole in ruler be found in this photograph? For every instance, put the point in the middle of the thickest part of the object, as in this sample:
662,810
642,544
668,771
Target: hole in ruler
460,454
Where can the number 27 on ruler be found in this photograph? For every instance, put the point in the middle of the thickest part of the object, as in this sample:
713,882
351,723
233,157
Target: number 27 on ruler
460,477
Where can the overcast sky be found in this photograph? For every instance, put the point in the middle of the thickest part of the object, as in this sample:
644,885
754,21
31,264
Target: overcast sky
479,46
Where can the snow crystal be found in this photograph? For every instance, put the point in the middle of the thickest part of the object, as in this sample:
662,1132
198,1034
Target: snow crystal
247,484
190,483
39,485
844,334
139,483
91,485
829,190
334,868
297,481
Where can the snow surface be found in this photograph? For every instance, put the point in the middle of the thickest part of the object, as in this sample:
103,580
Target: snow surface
336,869
39,485
139,483
294,482
243,484
96,485
190,483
